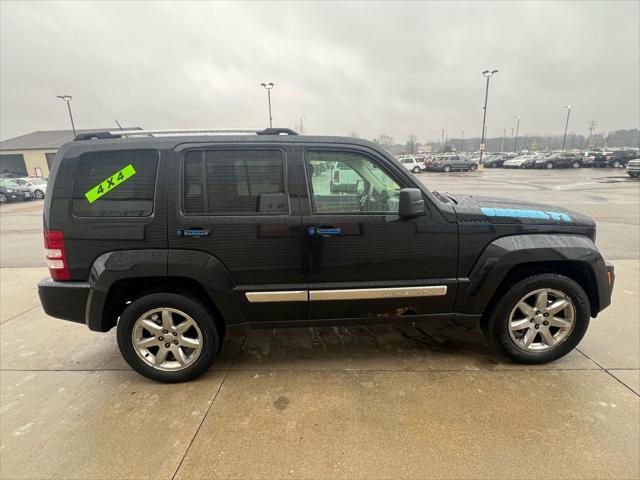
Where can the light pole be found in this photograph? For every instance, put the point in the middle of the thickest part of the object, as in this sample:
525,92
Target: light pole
566,125
504,134
268,87
487,74
67,98
462,142
515,145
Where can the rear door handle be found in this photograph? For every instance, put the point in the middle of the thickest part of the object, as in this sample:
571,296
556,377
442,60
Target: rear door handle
192,232
323,231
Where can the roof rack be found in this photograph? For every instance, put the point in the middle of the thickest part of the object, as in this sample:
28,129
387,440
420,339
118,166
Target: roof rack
199,131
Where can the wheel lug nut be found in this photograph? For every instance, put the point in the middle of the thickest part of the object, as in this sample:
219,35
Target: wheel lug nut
546,314
537,312
531,320
537,326
545,322
161,338
165,331
175,342
175,334
167,345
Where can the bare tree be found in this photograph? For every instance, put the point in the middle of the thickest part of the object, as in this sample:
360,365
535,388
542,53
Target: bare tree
386,141
412,144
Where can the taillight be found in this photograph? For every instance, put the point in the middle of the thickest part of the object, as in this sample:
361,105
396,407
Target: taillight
336,176
56,259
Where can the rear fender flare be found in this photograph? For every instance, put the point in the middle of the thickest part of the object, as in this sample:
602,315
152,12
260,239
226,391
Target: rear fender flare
201,267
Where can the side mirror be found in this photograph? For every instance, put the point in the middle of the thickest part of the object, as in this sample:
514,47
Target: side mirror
411,203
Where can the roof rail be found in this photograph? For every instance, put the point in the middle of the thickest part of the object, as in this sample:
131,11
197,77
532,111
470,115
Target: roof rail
199,131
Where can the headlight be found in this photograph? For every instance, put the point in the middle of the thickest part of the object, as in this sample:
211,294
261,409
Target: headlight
10,190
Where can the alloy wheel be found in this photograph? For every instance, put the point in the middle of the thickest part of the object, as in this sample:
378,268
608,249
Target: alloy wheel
167,339
541,320
3,198
38,194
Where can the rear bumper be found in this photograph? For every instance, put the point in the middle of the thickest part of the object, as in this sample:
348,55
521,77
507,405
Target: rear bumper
64,300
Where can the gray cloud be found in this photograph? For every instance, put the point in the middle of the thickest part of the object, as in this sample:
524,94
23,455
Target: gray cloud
386,67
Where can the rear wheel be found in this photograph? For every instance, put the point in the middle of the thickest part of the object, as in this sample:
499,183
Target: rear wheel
168,337
416,170
549,166
472,168
616,164
576,165
3,198
540,319
446,168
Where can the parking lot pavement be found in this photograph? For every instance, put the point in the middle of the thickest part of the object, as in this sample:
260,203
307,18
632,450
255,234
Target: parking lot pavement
387,401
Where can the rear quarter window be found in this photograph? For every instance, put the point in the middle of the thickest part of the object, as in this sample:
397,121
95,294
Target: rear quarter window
118,183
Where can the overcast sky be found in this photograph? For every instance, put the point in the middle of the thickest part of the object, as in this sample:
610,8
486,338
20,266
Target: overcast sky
370,68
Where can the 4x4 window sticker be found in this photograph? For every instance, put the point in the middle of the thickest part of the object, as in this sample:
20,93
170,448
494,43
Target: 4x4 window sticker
110,183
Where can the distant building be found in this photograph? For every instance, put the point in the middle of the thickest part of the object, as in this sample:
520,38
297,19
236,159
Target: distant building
31,155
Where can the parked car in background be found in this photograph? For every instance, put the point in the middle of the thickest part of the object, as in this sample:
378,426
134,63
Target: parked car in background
495,161
450,163
37,186
560,160
343,179
10,191
633,168
614,159
521,161
415,164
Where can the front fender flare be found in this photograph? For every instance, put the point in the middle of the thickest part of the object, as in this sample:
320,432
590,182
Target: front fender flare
505,253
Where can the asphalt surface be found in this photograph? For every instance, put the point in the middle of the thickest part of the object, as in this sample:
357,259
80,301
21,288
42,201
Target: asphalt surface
432,400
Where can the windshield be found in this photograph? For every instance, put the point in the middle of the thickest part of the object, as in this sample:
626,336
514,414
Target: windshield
8,183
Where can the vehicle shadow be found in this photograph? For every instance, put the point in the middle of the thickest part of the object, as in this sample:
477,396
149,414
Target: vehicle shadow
428,345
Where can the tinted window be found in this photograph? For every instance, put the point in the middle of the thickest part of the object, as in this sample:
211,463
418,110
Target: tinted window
228,182
118,183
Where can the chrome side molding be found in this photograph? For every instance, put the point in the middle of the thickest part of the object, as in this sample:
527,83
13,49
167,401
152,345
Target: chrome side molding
378,293
282,296
346,294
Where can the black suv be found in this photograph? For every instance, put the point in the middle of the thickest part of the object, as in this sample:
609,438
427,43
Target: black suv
174,238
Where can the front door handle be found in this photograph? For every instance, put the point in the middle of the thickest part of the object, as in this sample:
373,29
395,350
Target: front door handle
323,231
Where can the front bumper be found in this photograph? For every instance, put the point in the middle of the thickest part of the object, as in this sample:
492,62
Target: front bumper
64,300
15,196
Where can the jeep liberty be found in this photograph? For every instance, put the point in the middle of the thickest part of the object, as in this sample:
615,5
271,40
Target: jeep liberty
174,236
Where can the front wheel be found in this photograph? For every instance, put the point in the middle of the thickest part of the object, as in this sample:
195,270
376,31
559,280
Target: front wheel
472,168
416,170
549,166
540,319
167,337
576,165
3,198
617,164
446,168
39,194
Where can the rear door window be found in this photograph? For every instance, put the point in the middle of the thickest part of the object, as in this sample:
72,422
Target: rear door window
234,182
117,183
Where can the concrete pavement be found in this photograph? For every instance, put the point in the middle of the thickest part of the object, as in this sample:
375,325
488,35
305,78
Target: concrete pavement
426,401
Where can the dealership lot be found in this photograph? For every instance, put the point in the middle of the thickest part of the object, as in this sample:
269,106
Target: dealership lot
390,401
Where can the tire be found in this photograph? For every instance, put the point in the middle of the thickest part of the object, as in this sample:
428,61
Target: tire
617,164
472,168
549,166
633,175
3,198
203,328
504,311
416,170
446,168
575,164
39,194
